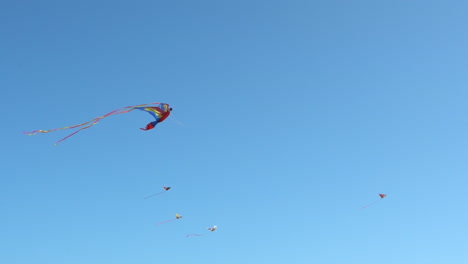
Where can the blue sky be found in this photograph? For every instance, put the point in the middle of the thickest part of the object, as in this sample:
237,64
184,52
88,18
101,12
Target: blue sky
295,115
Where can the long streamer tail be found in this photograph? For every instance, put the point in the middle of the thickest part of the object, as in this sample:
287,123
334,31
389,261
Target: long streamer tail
88,124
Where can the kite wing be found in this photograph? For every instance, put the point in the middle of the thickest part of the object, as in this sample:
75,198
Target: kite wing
382,195
160,113
178,216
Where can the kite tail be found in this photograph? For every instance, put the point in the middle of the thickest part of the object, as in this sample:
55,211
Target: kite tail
97,121
166,222
92,121
155,194
193,235
32,133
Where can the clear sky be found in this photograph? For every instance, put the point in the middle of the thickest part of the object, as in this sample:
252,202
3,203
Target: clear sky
295,114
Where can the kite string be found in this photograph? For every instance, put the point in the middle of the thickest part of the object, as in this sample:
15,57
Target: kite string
154,194
166,222
176,120
367,206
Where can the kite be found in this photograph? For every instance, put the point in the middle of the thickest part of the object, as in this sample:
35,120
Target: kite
165,190
212,229
160,111
381,197
178,216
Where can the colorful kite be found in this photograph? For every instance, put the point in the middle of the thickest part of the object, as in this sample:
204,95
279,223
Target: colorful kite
178,216
381,197
212,229
159,111
165,190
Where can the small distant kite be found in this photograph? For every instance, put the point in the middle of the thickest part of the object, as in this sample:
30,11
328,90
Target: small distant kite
178,216
212,229
381,197
165,190
160,111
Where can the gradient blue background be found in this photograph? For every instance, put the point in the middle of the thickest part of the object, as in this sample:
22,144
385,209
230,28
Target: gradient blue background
295,115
